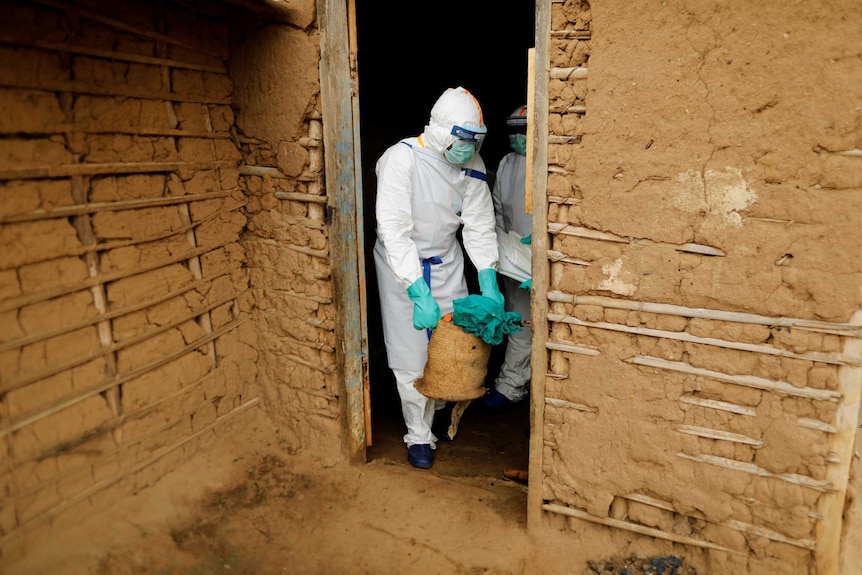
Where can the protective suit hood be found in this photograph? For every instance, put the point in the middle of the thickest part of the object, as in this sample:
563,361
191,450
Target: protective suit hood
455,107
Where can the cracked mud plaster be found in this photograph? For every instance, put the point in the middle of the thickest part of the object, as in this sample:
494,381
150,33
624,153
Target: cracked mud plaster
715,198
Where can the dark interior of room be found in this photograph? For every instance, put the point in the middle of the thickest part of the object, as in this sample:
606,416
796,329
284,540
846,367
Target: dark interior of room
408,54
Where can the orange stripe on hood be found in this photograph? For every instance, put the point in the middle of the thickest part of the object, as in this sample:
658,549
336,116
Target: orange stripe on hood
478,107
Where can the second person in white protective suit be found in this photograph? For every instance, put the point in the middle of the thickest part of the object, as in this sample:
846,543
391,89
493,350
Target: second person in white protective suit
512,382
428,187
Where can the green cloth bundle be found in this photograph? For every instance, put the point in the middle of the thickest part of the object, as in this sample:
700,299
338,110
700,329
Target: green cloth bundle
485,318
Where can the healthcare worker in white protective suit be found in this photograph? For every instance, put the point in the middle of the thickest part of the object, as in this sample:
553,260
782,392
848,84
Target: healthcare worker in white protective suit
509,196
427,188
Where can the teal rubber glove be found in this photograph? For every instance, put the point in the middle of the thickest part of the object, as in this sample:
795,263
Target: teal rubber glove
527,284
527,240
426,312
489,286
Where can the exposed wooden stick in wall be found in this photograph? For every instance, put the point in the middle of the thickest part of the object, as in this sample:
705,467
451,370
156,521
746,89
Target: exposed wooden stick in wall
563,200
317,393
570,405
194,265
571,34
553,139
816,425
319,323
95,207
845,329
768,534
830,358
781,387
310,364
310,345
581,232
716,404
634,527
732,523
575,73
721,435
306,176
587,233
299,197
751,468
84,228
556,256
569,110
572,348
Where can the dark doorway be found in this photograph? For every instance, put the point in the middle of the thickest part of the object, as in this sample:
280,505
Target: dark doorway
408,54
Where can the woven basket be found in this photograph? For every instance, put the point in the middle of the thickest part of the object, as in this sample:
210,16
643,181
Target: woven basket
457,364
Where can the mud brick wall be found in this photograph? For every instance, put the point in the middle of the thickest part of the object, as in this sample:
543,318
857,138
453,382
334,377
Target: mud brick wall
702,314
124,303
274,63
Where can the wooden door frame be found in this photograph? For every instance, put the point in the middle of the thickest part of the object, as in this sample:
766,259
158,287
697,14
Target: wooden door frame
340,108
537,193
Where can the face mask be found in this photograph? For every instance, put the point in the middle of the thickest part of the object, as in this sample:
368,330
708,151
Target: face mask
518,142
459,152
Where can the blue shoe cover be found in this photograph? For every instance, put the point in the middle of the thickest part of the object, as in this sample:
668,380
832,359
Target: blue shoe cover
494,400
420,456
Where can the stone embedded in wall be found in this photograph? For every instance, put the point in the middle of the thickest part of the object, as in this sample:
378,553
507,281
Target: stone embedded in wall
292,158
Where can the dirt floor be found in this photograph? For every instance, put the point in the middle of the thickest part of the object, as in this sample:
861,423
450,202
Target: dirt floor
250,507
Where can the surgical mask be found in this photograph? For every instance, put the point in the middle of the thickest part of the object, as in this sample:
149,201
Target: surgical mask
459,152
518,142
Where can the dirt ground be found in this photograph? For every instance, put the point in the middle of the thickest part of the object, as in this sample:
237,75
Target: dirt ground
250,507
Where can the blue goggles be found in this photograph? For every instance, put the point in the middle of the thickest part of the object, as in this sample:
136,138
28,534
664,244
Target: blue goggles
476,138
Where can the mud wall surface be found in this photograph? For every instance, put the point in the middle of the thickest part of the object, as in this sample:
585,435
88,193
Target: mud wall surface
704,205
126,342
275,60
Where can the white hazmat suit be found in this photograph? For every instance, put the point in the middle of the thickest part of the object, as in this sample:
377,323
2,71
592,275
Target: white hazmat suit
513,221
422,201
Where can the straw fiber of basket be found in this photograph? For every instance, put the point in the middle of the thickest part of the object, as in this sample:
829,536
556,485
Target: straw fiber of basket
457,364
